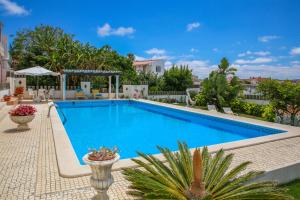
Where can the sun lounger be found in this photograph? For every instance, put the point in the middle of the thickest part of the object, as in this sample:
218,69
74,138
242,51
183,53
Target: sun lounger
228,110
79,94
96,94
211,108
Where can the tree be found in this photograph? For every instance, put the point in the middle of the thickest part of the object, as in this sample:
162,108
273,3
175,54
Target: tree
223,67
202,176
284,97
155,82
221,87
178,78
56,50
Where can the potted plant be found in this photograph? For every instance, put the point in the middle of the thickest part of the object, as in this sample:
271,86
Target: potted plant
19,92
22,115
100,162
6,98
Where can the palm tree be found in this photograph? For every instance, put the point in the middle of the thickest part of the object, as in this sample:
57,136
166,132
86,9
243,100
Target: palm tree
199,177
223,68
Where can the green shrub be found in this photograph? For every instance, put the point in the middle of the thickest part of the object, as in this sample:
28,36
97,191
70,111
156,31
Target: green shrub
239,106
200,100
269,113
193,94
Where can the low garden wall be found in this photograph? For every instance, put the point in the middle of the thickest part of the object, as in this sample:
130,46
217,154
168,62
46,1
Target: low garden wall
178,98
70,94
259,102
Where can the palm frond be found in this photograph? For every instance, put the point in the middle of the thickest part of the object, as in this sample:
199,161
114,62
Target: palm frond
172,179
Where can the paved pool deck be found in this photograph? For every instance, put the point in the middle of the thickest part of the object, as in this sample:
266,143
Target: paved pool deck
29,167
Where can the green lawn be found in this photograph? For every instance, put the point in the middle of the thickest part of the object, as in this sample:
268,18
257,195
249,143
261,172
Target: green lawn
293,189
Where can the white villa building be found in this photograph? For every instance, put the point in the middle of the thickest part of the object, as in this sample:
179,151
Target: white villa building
155,66
4,57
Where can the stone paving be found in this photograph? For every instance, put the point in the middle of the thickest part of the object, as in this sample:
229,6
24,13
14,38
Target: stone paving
28,168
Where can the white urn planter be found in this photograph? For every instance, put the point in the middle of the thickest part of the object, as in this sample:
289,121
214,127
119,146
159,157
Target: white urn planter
101,178
22,121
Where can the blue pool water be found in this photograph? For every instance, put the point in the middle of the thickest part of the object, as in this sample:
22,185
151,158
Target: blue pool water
135,126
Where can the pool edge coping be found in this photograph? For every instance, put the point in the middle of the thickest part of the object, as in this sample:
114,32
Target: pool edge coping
70,167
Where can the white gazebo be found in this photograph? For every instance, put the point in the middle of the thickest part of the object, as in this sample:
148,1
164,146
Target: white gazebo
81,72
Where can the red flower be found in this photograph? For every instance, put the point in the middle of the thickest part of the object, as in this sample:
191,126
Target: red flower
19,90
23,110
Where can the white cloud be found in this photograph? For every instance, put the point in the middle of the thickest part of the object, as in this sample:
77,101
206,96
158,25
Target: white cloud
192,26
215,49
13,8
268,38
162,57
107,30
193,50
295,51
254,61
193,63
257,53
200,68
295,62
156,51
168,64
273,71
139,58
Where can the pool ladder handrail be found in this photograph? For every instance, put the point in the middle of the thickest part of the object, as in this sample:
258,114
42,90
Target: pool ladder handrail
52,104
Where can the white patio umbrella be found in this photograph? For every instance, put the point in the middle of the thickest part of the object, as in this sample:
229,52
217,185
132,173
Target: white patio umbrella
36,71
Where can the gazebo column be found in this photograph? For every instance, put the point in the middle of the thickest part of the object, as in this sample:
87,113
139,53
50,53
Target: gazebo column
63,86
109,87
117,86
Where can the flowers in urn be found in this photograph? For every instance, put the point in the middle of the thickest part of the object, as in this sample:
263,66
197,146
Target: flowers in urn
23,110
102,154
6,98
22,115
19,91
100,162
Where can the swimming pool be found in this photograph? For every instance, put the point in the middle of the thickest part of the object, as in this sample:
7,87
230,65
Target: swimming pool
138,126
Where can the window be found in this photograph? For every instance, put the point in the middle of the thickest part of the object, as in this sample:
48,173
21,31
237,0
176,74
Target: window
158,68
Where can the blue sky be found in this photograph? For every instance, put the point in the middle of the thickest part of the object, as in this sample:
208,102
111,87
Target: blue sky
259,37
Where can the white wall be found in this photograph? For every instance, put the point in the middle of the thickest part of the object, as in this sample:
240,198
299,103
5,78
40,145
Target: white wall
179,98
20,82
70,94
86,87
160,63
260,102
135,91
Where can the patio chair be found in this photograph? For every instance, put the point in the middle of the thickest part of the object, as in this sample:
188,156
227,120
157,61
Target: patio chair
212,108
227,110
41,94
79,94
96,94
31,93
49,94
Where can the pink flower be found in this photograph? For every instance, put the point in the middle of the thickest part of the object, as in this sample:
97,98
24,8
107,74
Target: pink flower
23,110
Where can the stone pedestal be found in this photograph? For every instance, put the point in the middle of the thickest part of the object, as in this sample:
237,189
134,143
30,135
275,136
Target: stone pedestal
101,178
22,121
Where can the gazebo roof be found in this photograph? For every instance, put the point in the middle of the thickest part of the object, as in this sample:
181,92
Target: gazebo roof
90,72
